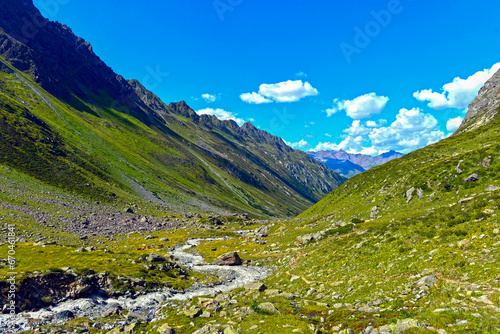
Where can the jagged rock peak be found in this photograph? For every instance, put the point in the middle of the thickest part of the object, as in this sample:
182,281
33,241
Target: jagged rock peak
484,107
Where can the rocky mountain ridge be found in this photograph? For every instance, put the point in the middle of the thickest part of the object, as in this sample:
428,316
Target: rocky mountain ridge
484,107
115,136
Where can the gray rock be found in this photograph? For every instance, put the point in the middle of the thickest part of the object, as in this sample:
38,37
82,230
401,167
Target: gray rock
153,257
458,169
256,286
492,188
228,259
409,194
486,162
64,316
268,307
129,210
472,178
374,213
420,193
207,329
427,281
111,311
262,231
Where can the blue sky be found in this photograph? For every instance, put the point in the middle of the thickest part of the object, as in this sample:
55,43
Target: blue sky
363,76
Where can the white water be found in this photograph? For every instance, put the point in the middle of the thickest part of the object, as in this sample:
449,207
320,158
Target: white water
232,277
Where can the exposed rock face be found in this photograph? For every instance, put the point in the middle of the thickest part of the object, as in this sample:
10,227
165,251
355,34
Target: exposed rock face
228,259
484,107
66,67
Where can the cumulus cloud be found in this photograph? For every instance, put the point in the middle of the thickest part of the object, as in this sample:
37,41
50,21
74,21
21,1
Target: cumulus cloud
453,124
209,97
300,144
222,114
254,98
459,93
286,91
411,130
361,107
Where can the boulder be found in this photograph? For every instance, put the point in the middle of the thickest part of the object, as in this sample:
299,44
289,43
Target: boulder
262,231
153,257
472,178
374,213
228,259
409,194
428,280
492,188
207,329
256,286
166,329
486,162
193,312
230,330
268,307
420,193
64,316
405,324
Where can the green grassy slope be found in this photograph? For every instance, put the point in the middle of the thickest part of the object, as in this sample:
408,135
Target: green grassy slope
108,154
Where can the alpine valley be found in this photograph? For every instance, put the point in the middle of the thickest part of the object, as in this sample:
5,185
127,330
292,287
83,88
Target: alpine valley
124,214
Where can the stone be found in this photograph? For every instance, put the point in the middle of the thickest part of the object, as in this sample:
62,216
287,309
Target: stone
64,316
256,286
207,329
458,169
228,259
430,280
129,210
492,188
166,329
409,194
486,162
420,193
441,331
262,231
111,311
193,312
268,307
472,178
144,220
465,200
374,213
230,330
153,257
314,329
367,330
130,329
404,324
346,331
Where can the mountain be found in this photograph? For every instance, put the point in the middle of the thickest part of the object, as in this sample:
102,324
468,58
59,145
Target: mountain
69,121
348,164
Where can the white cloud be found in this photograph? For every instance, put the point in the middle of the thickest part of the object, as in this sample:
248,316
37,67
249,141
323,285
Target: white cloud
459,93
254,98
373,124
300,144
411,130
328,135
209,97
361,107
221,114
286,91
301,74
453,124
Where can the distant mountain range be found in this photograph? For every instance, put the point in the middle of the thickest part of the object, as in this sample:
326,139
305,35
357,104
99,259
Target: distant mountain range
348,164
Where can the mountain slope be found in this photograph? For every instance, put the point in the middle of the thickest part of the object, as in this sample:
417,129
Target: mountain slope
348,164
68,120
